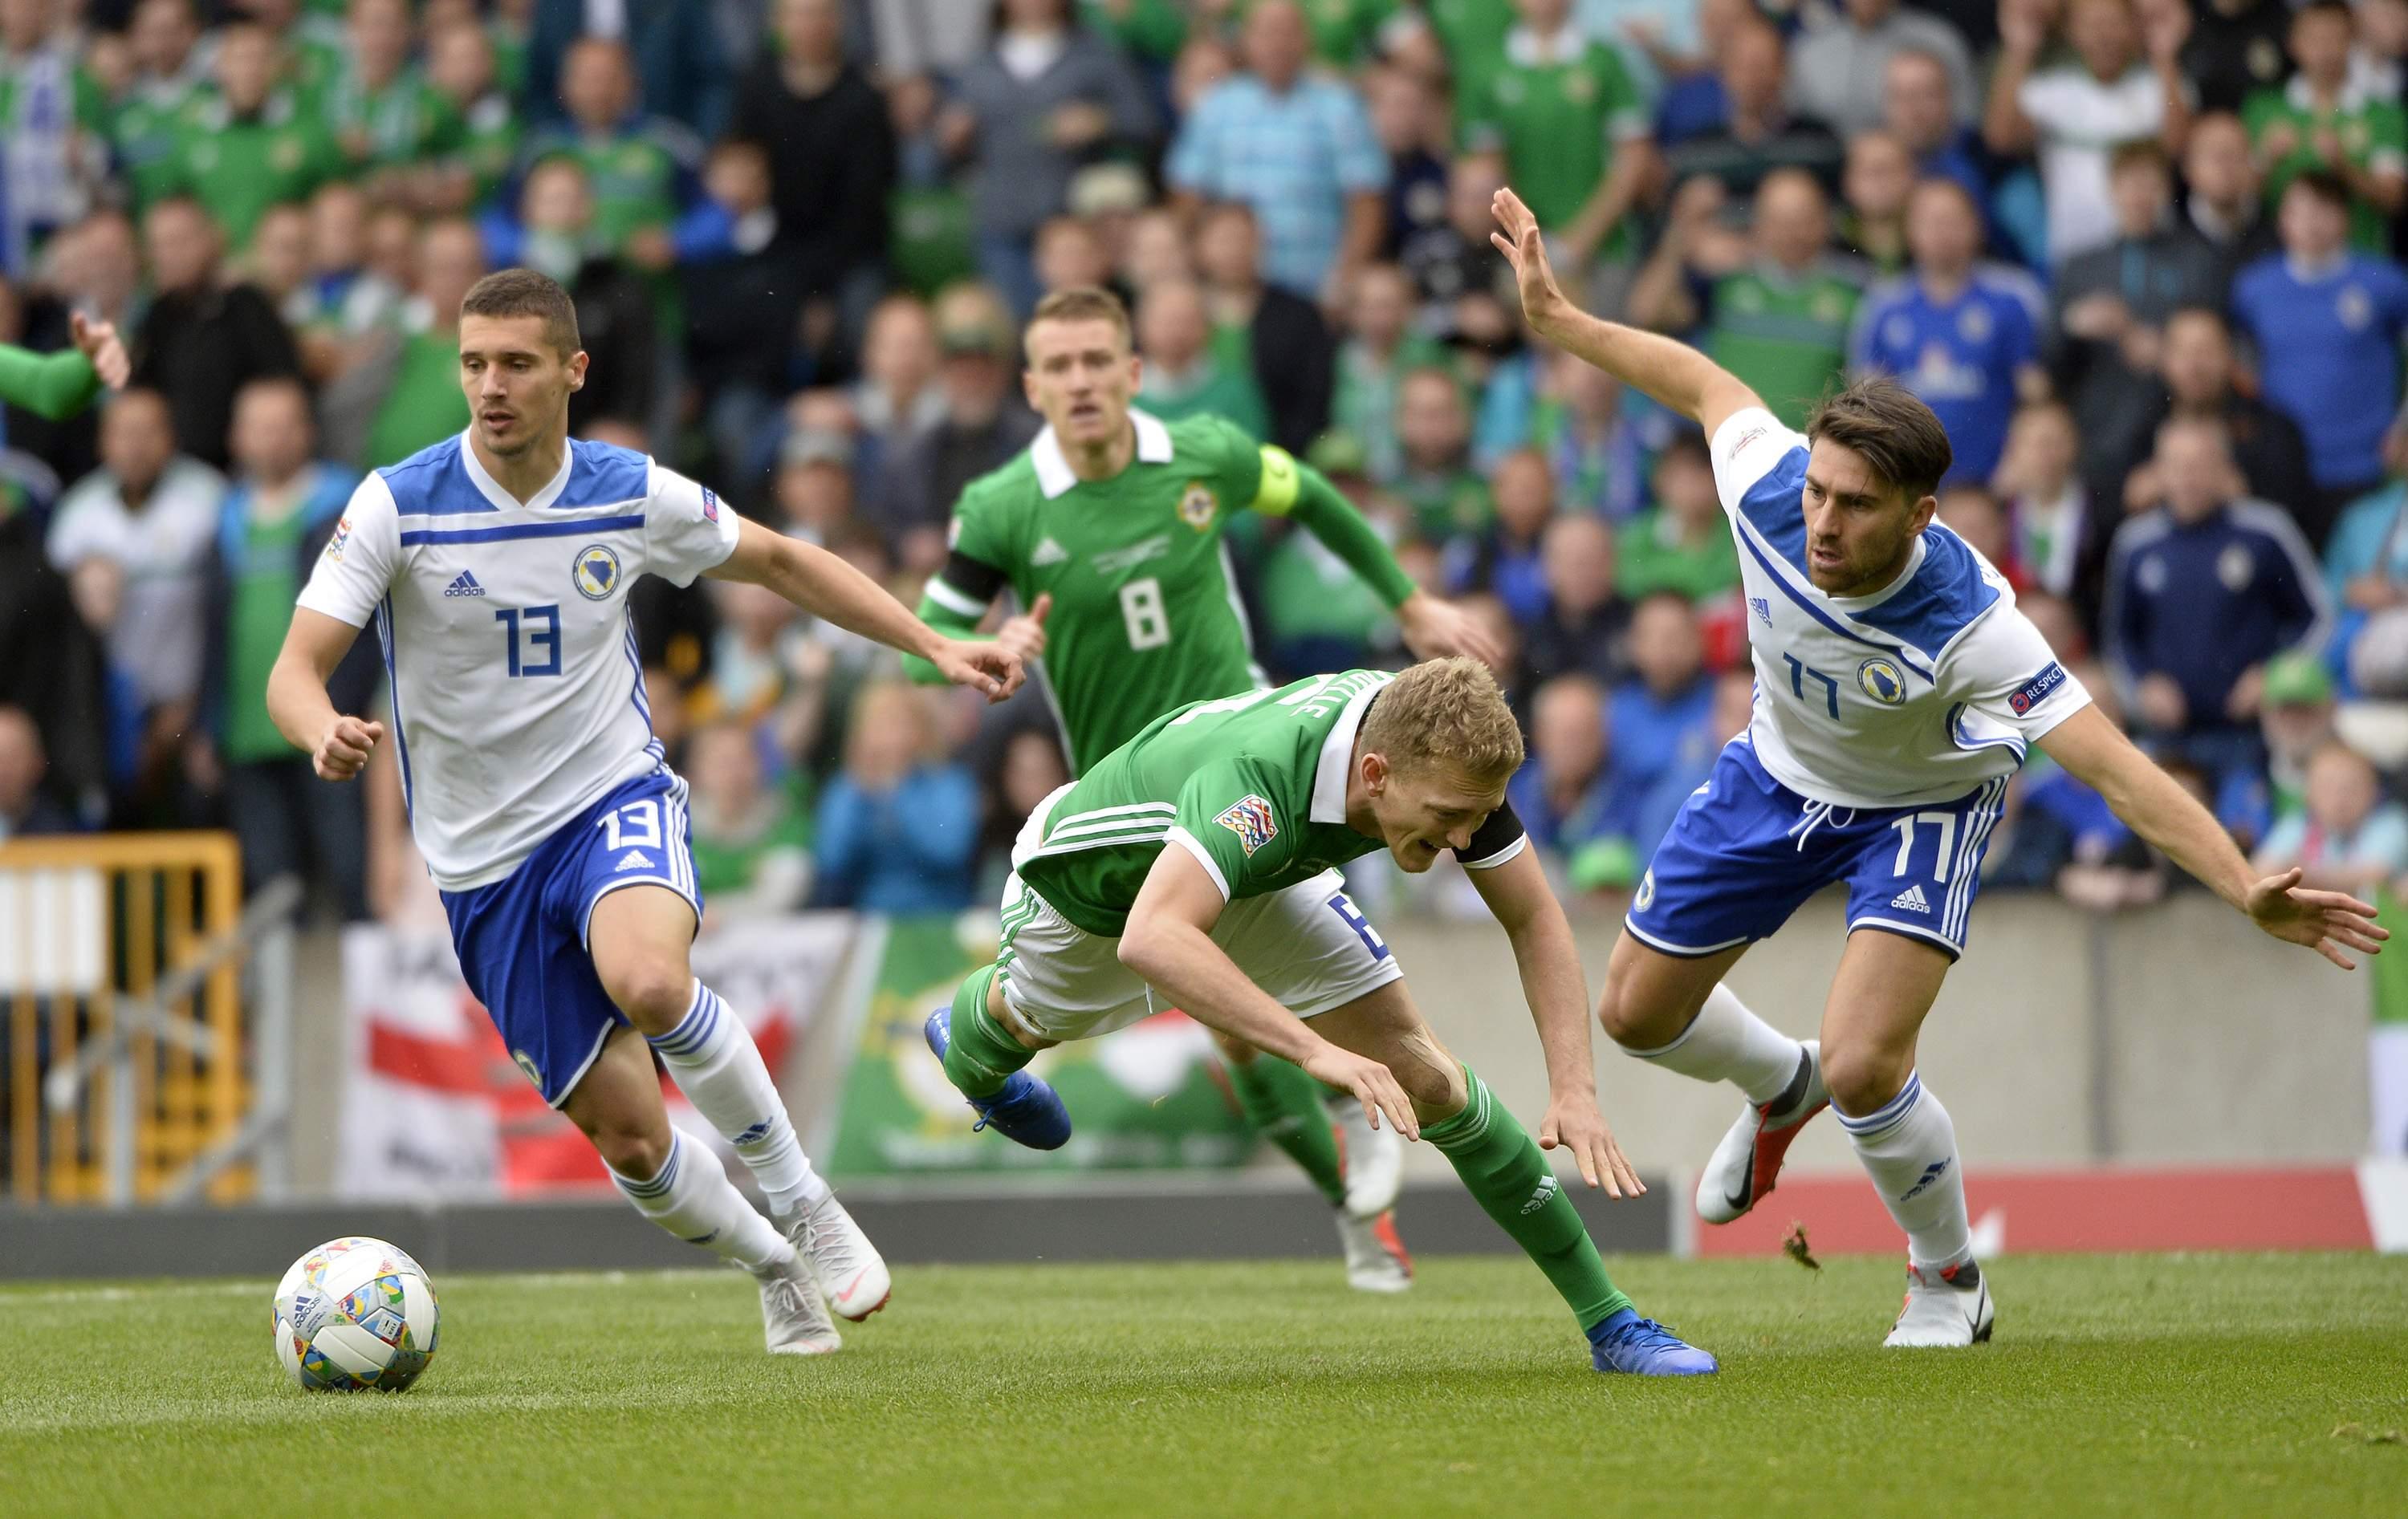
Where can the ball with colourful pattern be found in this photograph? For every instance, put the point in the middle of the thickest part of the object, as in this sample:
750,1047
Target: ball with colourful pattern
352,1314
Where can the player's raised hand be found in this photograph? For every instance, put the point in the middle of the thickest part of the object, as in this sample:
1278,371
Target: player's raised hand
989,668
2325,921
1436,629
1521,244
346,747
102,345
1373,1085
1573,1123
1024,634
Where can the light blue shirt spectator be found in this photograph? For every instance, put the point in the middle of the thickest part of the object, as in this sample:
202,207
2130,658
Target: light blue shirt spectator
1294,155
909,849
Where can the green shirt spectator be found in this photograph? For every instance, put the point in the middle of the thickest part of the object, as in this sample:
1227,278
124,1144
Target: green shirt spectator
485,148
1573,129
1183,376
1682,543
1381,350
1784,332
2326,118
148,128
637,168
1435,477
381,108
1472,34
238,163
751,836
424,404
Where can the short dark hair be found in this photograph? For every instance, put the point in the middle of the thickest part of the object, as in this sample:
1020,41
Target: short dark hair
2325,185
2140,152
523,292
1899,439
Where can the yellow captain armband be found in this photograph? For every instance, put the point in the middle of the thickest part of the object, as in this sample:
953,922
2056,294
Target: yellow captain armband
1282,482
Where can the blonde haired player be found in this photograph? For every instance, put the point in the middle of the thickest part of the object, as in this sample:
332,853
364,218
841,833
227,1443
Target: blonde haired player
1197,863
1897,690
495,566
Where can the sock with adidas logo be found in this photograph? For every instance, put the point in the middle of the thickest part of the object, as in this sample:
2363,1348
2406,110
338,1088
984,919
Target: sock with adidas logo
1284,1105
1513,1184
1725,1042
1909,1148
711,1056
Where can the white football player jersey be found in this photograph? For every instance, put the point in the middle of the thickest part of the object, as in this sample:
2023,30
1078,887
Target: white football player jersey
1917,693
517,695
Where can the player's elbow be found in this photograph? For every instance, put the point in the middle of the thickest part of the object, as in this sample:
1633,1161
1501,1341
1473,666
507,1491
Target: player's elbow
1142,947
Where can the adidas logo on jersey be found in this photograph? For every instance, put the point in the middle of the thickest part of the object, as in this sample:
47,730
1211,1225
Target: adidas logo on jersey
1048,552
1912,900
634,859
464,586
1762,607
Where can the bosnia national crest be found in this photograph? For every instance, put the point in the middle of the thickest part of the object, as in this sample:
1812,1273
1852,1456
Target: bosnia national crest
1197,505
1881,681
595,572
1251,820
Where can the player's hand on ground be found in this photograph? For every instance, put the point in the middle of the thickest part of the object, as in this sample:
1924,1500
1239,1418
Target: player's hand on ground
986,668
1435,629
2327,923
1024,634
1373,1085
346,747
1574,1124
102,345
1542,298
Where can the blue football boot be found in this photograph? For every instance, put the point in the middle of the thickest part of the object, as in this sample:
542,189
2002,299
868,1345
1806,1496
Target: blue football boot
1624,1341
1026,1111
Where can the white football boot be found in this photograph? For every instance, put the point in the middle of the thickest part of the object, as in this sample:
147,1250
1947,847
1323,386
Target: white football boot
1374,1158
846,1265
1376,1260
1945,1307
1748,1160
793,1318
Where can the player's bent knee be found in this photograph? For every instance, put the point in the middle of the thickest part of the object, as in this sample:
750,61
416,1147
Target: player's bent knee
636,1152
654,992
1860,1080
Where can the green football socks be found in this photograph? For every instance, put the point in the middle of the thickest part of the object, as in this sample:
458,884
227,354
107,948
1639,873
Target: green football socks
982,1055
1495,1157
1284,1105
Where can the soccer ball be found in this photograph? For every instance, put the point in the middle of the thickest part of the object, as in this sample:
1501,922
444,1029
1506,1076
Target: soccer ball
354,1313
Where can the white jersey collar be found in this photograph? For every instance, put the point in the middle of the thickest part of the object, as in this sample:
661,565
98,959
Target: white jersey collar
492,489
1337,763
1053,472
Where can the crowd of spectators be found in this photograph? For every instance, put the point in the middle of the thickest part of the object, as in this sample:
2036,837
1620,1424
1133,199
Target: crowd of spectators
2138,254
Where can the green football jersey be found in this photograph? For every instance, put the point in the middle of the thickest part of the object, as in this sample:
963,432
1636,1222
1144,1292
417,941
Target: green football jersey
1253,785
1560,124
148,132
2373,136
239,168
1785,335
1145,617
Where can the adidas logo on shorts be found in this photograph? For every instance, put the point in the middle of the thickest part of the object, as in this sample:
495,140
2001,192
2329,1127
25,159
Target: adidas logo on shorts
1912,899
634,859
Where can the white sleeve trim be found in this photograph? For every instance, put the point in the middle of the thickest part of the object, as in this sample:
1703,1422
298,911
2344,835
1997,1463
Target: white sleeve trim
1195,846
952,600
1501,857
1749,445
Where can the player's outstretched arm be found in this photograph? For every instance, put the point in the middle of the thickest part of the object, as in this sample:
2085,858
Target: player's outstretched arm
1544,953
1169,942
2159,811
827,587
1670,371
1433,629
338,744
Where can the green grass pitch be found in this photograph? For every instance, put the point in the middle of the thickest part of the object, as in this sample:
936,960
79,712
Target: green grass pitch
2139,1385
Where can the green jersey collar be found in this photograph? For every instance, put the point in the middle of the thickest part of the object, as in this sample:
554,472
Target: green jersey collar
1054,474
1329,776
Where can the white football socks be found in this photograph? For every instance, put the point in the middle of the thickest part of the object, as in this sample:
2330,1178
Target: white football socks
1909,1148
693,1199
719,1068
1725,1042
